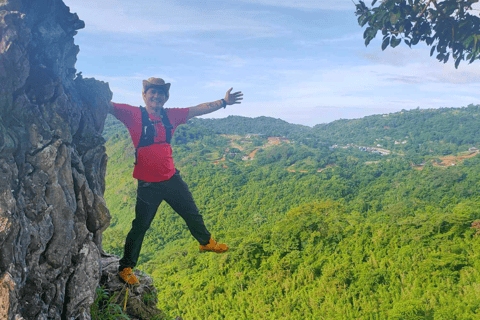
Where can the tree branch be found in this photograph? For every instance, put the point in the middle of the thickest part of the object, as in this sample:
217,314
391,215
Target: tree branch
425,8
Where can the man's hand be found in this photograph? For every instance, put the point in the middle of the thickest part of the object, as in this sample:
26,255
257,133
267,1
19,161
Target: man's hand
233,98
208,107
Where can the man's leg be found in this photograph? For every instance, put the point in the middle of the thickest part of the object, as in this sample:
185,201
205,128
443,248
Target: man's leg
179,197
148,200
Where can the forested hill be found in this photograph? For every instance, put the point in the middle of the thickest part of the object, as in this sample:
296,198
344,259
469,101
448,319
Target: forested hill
199,127
447,130
260,125
332,222
459,126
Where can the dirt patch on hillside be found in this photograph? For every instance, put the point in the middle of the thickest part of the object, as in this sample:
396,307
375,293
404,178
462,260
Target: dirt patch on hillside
328,166
252,154
453,160
273,141
447,161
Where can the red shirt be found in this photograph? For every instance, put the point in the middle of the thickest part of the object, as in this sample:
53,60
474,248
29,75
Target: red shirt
154,162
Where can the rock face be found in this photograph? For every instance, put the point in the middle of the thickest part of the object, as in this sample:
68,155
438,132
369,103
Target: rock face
52,166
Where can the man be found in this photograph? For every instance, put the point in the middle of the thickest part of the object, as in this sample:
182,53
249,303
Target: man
157,177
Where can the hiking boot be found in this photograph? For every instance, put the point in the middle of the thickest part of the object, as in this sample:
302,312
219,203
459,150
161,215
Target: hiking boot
214,246
127,276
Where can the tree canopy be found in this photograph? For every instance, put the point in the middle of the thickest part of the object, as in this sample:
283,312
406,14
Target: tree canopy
450,27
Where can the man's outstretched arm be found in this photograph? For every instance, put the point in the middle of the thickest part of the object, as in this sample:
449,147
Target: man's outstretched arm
208,107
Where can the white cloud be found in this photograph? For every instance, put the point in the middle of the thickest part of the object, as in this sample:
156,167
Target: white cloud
465,74
419,67
308,4
224,85
399,56
229,60
345,38
148,17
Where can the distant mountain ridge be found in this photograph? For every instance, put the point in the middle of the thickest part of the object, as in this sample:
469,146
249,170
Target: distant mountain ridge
399,123
259,125
451,125
443,126
440,131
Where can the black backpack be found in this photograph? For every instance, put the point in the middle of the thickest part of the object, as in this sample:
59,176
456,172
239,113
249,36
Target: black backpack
148,131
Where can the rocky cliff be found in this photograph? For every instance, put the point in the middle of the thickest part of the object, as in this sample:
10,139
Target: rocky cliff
52,165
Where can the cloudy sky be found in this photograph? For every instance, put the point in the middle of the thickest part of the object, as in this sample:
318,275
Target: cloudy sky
301,61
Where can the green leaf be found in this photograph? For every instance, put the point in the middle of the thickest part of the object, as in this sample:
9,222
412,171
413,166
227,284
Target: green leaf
366,32
369,34
457,62
442,48
469,41
362,20
395,42
389,4
432,51
373,2
446,57
385,43
408,26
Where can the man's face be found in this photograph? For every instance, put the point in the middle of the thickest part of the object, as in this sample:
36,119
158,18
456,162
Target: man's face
154,99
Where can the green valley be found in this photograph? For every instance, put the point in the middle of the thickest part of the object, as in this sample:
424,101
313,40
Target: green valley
330,222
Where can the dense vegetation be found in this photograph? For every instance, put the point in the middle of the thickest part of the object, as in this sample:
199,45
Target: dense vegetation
315,232
443,130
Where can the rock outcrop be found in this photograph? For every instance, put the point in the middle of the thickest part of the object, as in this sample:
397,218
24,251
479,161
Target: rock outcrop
52,166
140,300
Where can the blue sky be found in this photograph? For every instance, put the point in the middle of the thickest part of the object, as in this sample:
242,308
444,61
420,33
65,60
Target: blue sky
301,61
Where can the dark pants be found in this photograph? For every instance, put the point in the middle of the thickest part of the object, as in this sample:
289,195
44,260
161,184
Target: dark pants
149,196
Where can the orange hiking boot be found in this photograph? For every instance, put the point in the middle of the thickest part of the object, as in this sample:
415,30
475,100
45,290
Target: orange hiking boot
214,246
127,276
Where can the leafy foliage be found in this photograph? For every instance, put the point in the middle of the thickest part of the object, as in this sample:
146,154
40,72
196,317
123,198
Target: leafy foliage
447,25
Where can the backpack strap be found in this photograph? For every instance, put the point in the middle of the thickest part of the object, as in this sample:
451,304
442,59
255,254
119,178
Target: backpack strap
168,126
148,131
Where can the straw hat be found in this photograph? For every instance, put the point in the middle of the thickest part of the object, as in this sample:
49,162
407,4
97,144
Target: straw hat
156,82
